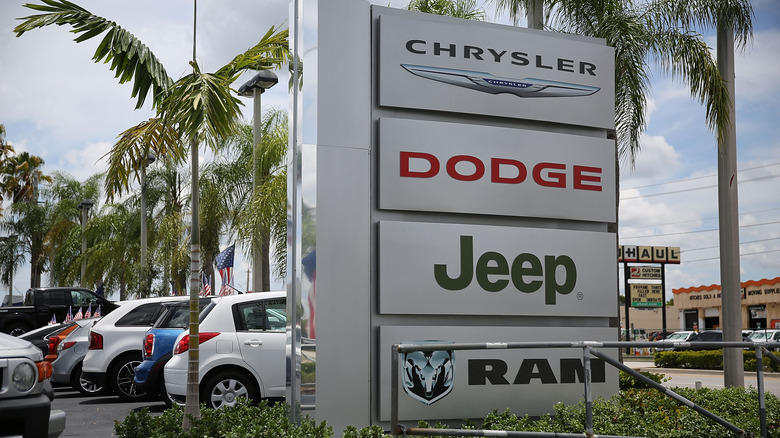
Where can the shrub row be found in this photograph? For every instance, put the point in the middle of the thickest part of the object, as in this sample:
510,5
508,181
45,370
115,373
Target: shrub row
708,360
632,412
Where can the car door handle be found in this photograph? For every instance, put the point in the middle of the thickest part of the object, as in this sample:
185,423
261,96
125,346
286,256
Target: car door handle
253,342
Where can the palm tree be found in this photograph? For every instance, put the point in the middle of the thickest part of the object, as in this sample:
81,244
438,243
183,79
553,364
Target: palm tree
62,242
453,8
259,219
198,108
659,30
21,175
6,150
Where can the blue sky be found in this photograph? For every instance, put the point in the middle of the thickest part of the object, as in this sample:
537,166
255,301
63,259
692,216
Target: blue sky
56,103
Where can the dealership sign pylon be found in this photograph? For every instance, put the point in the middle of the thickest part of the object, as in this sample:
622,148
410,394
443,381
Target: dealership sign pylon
456,183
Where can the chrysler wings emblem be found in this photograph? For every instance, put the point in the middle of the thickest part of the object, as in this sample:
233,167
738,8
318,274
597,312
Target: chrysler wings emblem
487,83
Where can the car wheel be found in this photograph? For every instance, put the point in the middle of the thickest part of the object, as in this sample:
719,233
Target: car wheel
225,388
85,386
18,328
122,375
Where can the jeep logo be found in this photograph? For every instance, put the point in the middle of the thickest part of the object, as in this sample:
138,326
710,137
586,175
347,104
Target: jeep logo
527,272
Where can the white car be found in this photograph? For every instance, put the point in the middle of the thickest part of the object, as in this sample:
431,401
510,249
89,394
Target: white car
771,335
242,351
115,344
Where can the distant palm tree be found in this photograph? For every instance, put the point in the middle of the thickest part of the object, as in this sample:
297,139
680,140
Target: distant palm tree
453,8
198,108
21,175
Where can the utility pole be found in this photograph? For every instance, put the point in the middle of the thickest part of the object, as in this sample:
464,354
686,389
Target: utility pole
728,217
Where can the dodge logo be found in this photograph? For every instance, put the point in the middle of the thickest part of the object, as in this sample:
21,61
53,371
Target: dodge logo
428,376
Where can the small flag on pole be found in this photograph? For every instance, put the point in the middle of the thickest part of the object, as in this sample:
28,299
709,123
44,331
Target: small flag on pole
89,312
69,316
225,267
53,320
97,312
206,285
79,315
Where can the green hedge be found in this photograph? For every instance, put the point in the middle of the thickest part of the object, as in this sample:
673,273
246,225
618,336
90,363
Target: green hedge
708,360
633,412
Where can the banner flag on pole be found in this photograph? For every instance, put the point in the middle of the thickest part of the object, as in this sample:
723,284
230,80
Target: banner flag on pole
225,267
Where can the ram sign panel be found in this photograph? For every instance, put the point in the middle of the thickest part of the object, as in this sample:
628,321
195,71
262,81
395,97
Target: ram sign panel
435,166
432,63
461,384
453,269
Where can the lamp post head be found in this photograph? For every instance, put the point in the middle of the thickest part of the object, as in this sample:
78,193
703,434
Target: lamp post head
262,81
86,204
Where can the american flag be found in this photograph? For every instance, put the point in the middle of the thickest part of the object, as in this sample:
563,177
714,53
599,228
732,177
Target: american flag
97,313
89,312
206,290
79,315
53,320
225,267
69,316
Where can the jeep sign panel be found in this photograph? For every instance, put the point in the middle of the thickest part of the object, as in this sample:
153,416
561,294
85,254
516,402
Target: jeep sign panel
434,166
427,268
495,70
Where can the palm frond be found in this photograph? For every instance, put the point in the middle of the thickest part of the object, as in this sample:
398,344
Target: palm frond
130,151
129,57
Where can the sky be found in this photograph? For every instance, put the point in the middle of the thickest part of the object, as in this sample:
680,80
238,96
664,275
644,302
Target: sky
58,104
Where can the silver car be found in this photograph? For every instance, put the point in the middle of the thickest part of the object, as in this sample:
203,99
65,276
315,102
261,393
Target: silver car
70,356
26,395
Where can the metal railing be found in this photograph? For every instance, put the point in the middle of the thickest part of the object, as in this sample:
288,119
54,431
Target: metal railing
589,348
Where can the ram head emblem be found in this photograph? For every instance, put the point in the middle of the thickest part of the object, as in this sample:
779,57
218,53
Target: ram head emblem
428,376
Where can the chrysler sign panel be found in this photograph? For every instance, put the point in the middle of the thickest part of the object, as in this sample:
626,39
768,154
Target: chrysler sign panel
462,168
431,63
454,269
447,384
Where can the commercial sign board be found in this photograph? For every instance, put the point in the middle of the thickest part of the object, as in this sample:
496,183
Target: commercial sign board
435,166
455,269
527,381
652,254
495,70
645,273
647,295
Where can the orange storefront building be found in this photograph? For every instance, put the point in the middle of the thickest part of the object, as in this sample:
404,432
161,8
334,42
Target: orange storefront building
700,307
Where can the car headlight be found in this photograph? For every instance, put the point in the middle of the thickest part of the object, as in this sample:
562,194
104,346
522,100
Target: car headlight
24,377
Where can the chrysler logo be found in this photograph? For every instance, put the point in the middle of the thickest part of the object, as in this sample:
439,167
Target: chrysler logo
487,83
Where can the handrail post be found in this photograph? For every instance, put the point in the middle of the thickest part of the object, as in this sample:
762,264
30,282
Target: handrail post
760,384
588,396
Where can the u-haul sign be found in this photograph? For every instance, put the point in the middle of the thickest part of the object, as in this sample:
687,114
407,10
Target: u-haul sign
649,254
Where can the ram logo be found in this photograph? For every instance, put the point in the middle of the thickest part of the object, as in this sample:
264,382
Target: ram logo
428,376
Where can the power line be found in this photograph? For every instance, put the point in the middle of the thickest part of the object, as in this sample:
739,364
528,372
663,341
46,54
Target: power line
696,178
696,188
696,231
741,255
703,219
717,246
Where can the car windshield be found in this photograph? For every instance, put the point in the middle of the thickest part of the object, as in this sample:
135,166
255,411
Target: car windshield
674,336
759,336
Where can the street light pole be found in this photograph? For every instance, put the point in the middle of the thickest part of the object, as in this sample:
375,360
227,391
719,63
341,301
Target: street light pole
84,206
262,81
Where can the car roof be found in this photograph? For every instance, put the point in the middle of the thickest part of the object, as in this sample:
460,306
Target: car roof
239,298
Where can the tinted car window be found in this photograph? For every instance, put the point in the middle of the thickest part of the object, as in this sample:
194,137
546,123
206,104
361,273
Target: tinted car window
145,314
81,298
53,298
178,315
261,315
